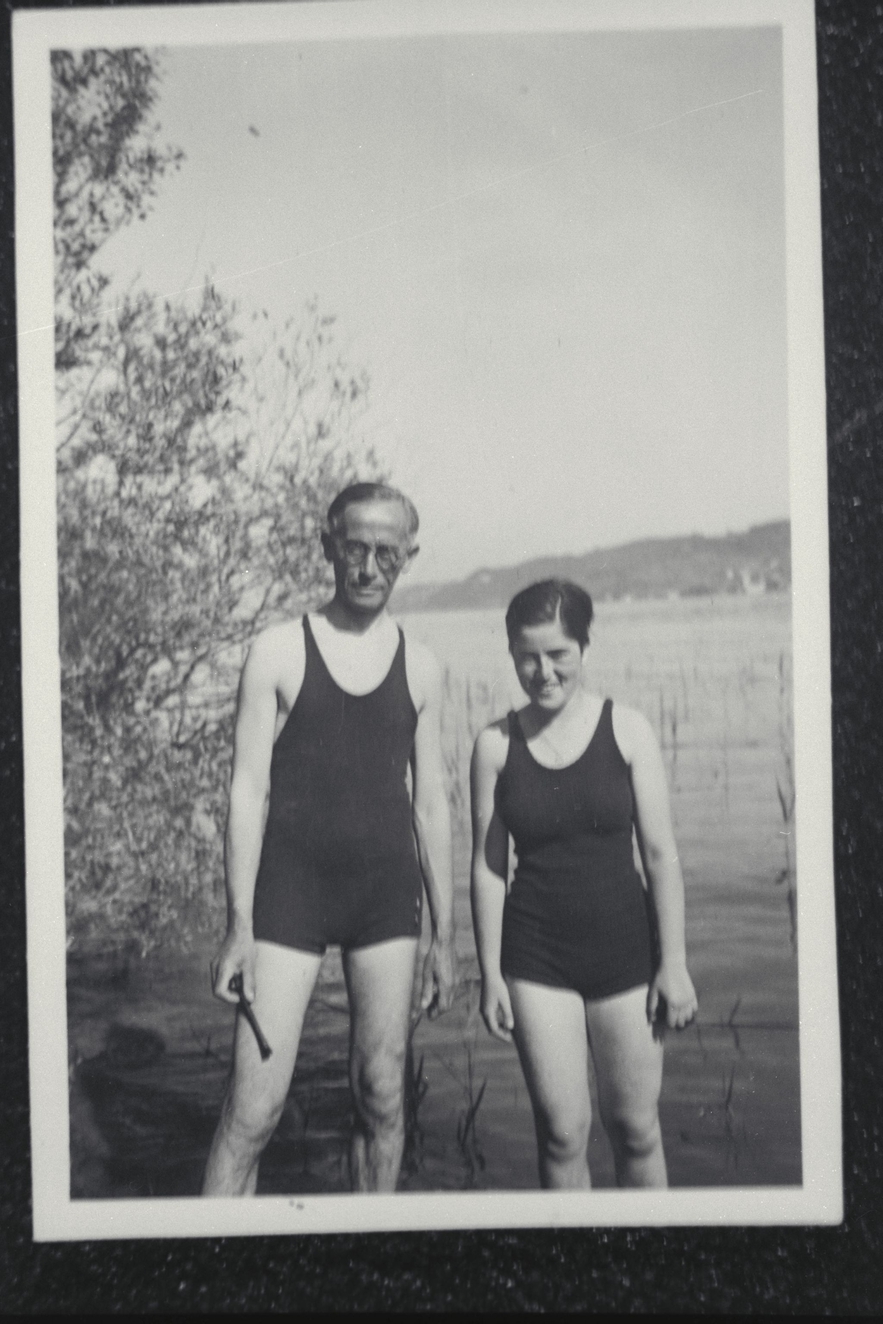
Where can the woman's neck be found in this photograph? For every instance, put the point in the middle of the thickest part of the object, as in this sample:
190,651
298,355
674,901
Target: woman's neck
571,714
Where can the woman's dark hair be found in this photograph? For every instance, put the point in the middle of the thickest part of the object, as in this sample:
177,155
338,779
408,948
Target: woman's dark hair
548,600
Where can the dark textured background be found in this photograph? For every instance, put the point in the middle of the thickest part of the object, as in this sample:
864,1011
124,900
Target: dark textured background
834,1270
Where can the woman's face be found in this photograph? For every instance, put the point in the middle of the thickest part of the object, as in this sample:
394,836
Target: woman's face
548,664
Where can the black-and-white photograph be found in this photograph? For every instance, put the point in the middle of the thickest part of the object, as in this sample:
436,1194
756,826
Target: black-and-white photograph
426,442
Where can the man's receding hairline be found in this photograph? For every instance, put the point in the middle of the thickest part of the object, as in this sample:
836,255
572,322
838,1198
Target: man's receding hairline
389,497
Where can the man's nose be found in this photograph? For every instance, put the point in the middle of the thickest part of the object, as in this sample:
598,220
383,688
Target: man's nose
546,668
369,565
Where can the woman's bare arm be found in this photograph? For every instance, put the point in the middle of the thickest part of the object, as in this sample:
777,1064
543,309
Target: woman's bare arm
659,853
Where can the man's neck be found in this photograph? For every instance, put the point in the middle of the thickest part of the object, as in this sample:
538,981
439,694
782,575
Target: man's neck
341,617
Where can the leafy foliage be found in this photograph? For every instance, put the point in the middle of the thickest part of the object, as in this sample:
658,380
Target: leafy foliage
195,464
106,167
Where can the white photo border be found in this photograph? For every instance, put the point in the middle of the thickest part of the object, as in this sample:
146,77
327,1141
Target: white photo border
56,1217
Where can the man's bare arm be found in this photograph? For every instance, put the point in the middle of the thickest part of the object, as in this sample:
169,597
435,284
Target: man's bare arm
490,867
432,829
249,789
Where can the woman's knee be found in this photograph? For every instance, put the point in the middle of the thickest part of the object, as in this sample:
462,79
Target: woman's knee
564,1134
632,1131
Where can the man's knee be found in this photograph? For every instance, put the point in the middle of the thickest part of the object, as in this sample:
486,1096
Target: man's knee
378,1084
251,1121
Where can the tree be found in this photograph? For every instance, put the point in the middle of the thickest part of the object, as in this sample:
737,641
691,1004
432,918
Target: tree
106,167
193,474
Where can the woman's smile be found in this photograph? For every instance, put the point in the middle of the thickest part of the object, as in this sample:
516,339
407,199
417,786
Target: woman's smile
548,663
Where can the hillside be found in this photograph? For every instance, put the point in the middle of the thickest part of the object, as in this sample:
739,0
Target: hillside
756,561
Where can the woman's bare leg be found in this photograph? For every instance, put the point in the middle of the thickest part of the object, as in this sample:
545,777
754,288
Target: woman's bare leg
550,1033
628,1066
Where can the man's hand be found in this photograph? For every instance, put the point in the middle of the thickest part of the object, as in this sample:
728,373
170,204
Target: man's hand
235,957
496,1008
672,997
440,977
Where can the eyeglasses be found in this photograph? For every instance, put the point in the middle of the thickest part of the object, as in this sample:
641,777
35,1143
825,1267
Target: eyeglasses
355,552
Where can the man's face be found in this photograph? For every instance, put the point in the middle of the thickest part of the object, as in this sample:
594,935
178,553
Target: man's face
368,550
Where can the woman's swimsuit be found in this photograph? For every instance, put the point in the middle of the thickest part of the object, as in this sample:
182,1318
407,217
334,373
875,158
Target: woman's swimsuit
339,860
577,915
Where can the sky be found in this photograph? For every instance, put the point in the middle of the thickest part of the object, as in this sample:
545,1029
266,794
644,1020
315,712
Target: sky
560,259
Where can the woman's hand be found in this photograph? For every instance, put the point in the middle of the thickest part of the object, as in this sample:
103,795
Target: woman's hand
496,1008
672,998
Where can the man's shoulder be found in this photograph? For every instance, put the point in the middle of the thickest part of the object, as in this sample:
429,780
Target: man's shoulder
419,653
279,635
423,668
278,646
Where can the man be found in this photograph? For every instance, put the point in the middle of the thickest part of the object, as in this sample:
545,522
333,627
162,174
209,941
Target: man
326,845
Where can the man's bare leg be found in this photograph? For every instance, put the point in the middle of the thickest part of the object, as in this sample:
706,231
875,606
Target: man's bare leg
380,981
284,982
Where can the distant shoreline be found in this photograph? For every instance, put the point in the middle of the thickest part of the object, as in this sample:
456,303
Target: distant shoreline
750,564
625,605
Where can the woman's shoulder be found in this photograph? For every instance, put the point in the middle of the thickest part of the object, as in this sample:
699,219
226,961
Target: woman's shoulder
631,729
492,745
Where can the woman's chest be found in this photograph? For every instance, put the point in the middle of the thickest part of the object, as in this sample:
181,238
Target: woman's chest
540,804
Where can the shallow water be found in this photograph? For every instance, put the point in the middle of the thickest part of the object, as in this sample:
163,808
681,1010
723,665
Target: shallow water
144,1105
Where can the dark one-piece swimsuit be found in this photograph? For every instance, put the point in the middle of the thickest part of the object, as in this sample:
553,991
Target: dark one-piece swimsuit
577,915
339,860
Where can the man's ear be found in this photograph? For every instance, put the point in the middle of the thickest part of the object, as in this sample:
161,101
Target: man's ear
327,546
409,559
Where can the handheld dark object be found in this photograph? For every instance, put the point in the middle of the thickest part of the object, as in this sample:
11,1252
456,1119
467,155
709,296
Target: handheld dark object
236,986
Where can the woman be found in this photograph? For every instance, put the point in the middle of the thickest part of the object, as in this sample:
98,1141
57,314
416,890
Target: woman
574,958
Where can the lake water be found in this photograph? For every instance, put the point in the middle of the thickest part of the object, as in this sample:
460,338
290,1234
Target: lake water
150,1046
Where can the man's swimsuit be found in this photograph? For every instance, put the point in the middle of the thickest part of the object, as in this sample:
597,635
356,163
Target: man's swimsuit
577,915
339,861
